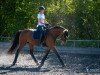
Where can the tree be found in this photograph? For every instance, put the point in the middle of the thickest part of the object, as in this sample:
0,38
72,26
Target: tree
80,17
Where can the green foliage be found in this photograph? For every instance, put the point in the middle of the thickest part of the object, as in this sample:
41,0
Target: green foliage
80,17
87,19
80,44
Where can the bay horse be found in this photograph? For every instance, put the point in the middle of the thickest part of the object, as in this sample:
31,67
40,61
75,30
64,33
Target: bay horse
25,36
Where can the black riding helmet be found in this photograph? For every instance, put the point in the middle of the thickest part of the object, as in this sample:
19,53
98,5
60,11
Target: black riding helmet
41,8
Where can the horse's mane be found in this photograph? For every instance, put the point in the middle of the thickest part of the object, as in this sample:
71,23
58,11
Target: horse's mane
58,27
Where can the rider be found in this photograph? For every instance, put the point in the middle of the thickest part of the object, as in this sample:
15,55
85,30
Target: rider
41,22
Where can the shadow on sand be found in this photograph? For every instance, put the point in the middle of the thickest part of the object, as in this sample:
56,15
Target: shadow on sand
10,69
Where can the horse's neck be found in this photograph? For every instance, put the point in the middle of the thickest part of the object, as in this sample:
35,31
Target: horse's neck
56,32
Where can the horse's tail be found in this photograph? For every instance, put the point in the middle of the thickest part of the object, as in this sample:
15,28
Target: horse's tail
15,43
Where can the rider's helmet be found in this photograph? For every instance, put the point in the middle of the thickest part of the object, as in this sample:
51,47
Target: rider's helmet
41,8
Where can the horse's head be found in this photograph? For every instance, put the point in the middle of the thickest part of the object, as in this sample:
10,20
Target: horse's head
58,31
64,36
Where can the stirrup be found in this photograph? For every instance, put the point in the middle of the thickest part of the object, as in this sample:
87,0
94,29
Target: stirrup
44,44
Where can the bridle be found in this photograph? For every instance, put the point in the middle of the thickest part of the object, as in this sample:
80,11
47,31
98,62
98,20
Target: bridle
62,36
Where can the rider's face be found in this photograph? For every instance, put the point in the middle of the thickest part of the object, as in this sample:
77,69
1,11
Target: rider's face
42,11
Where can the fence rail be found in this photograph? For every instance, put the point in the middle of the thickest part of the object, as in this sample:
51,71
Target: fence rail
91,43
69,43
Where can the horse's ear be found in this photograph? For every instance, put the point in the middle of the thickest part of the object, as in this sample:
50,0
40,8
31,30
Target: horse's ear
65,32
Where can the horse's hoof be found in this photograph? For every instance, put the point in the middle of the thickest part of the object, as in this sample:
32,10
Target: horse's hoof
13,64
10,66
40,65
37,64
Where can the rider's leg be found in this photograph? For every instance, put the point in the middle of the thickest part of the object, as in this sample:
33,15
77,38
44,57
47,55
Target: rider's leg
40,32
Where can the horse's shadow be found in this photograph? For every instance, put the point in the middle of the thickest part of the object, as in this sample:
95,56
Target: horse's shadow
10,69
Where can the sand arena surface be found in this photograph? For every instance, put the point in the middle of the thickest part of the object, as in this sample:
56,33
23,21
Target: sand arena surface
76,64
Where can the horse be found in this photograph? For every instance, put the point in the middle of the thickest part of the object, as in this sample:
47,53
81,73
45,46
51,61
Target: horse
25,36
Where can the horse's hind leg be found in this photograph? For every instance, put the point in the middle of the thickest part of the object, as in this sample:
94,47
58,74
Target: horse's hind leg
21,44
31,53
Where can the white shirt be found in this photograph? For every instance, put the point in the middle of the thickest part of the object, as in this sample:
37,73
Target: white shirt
42,17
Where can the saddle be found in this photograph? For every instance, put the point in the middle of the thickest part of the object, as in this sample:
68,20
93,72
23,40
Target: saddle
45,33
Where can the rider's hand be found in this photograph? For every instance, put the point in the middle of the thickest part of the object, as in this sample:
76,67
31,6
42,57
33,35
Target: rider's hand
46,24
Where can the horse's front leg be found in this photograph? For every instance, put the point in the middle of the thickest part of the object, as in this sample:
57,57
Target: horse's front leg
31,53
44,58
61,61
